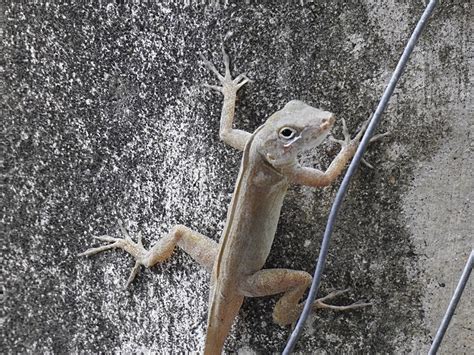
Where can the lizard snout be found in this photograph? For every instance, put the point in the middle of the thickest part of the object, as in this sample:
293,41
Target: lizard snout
327,122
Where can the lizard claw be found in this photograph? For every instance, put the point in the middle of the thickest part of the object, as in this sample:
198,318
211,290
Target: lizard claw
334,294
139,236
213,87
133,273
320,302
126,243
211,66
123,230
226,59
229,85
366,163
345,131
106,238
114,243
338,141
238,80
347,138
379,137
362,131
374,139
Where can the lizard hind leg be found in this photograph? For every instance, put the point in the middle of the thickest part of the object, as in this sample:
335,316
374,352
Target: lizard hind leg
292,284
199,247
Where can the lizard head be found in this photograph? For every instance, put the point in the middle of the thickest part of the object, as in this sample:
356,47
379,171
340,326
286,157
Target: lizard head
297,127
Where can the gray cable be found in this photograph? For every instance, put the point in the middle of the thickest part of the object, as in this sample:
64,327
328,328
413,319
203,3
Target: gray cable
351,170
452,304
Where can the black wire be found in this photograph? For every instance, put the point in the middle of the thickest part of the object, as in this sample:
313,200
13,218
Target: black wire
452,304
351,170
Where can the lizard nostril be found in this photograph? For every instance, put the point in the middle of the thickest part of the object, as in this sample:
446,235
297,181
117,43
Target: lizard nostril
325,124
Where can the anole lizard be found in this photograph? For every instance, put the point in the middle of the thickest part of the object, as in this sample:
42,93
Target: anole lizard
269,165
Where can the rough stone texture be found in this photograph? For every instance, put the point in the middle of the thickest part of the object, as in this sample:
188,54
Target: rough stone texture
103,117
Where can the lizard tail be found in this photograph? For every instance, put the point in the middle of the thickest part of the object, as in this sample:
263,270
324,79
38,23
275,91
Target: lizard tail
219,322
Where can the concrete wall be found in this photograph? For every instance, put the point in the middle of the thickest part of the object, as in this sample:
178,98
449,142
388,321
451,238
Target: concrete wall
104,117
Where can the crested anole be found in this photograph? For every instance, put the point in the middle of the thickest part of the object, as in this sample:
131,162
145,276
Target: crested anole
269,165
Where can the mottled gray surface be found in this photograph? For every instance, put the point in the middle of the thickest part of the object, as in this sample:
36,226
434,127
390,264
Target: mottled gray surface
103,117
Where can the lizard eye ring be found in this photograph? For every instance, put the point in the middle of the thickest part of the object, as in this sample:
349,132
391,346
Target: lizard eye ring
287,133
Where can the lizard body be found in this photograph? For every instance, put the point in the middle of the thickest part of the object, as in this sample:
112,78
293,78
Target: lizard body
259,203
269,165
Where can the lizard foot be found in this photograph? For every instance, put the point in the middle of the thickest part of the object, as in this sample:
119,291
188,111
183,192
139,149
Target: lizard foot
347,138
321,302
135,249
229,85
374,139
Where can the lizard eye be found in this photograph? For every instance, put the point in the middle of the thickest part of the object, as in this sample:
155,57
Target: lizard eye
287,132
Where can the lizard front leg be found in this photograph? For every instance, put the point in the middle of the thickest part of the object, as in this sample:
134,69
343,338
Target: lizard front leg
314,177
233,137
199,247
293,283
